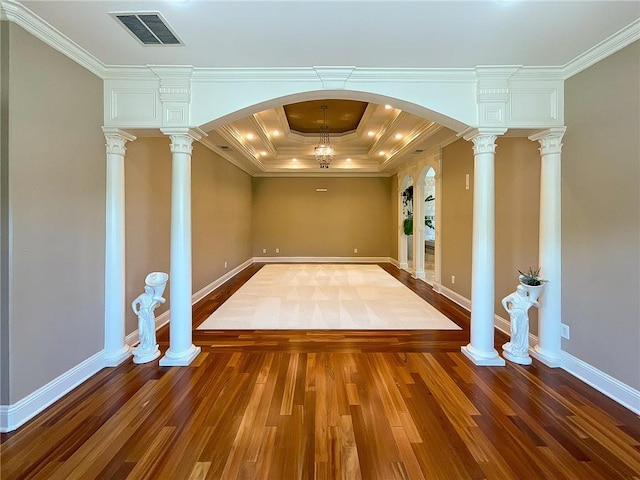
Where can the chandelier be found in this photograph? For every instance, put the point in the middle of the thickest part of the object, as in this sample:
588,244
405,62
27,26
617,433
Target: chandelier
324,150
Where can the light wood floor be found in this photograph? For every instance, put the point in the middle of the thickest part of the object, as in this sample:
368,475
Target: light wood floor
328,405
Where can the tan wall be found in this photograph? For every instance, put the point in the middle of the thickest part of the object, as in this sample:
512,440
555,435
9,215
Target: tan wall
220,216
394,225
4,213
222,212
601,215
517,197
57,207
290,215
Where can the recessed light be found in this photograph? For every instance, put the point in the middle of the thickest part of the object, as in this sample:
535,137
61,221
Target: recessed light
294,159
264,154
250,136
348,159
388,107
381,152
276,133
398,136
371,133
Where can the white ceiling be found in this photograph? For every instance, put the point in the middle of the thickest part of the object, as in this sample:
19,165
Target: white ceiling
303,33
357,33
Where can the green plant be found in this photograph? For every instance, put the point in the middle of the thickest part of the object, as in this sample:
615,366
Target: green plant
407,225
531,277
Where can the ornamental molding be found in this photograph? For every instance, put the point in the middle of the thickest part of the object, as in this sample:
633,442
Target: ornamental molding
334,77
484,139
550,140
622,38
116,140
182,138
20,15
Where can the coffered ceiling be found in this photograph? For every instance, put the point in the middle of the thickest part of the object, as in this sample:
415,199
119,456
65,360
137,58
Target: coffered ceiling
367,138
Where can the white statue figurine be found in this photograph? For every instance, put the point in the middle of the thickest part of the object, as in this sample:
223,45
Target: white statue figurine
143,306
517,305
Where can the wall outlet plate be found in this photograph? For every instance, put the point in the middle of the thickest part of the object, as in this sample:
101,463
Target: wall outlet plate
564,331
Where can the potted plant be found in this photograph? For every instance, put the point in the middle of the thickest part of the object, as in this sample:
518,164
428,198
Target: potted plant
532,282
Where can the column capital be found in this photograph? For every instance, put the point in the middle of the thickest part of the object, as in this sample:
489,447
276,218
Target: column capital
550,140
484,139
116,139
182,138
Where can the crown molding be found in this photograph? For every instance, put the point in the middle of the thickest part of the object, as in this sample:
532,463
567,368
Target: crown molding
25,18
609,46
277,74
229,158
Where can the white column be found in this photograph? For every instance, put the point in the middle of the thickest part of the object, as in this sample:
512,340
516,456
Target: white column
181,350
403,256
437,281
549,347
115,348
481,350
418,226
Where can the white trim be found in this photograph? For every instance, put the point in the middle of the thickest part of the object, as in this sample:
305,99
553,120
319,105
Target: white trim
32,23
455,296
13,416
322,260
620,392
609,46
616,390
394,262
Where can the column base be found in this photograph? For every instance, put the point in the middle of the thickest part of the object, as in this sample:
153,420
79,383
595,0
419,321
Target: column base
113,359
491,359
181,359
420,275
404,266
553,361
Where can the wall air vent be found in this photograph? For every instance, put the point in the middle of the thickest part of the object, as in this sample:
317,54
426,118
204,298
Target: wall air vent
148,27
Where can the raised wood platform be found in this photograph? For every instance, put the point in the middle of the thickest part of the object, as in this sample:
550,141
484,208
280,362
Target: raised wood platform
328,405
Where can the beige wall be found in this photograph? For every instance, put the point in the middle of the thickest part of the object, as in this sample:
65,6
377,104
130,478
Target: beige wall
4,213
57,208
517,198
601,215
222,213
290,215
394,226
220,216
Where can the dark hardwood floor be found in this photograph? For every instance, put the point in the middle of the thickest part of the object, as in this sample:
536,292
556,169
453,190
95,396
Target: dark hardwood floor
328,405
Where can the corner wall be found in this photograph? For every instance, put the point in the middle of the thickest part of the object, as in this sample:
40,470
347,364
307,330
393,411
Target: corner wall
220,217
517,213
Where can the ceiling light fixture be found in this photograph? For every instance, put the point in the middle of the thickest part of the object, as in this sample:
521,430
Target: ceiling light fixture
324,151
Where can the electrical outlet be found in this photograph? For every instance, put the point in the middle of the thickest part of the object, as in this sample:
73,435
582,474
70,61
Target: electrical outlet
453,279
355,250
225,264
277,250
264,250
564,331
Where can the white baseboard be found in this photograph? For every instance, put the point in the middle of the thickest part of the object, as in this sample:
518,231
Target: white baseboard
13,416
620,392
322,260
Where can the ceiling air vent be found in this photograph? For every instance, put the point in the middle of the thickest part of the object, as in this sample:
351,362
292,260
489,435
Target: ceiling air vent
419,150
149,28
224,147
